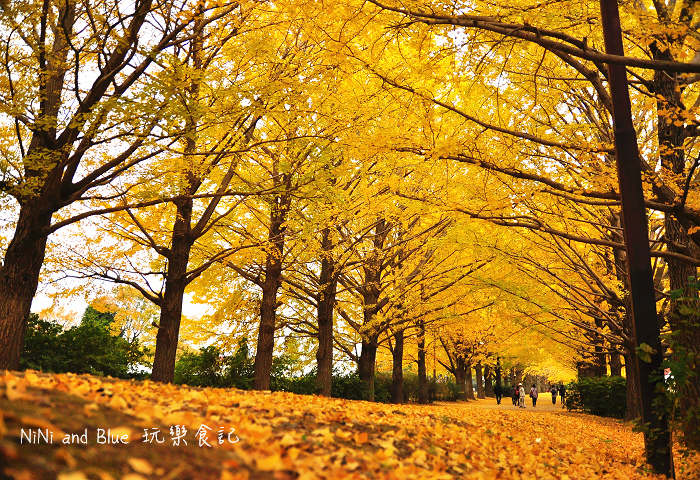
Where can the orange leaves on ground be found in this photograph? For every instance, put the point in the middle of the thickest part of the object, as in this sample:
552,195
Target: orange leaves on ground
282,435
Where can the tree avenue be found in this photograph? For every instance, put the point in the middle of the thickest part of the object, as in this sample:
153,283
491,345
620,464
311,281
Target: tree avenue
565,51
370,187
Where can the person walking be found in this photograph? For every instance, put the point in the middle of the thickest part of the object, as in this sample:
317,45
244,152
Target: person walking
515,395
554,392
498,392
533,395
521,392
562,394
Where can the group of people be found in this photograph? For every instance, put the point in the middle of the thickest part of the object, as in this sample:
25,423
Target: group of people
518,394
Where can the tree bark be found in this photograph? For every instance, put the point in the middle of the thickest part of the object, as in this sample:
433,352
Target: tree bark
270,286
397,373
615,365
328,282
499,382
19,278
633,410
671,138
39,196
366,367
460,373
469,384
422,373
488,381
480,393
370,292
175,283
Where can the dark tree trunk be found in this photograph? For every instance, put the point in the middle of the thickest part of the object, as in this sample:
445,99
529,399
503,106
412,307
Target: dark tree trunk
499,382
657,438
488,381
469,383
615,365
266,331
460,373
479,381
633,411
422,374
370,292
326,303
397,373
39,196
19,278
270,286
671,138
366,367
600,364
171,308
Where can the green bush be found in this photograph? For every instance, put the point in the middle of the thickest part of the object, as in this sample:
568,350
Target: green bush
200,369
209,367
347,386
603,396
87,348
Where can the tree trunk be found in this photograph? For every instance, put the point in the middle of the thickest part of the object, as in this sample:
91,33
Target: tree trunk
671,138
270,286
19,278
499,382
600,363
479,381
469,383
266,331
366,367
488,381
633,411
397,373
422,374
39,195
460,373
326,303
615,365
171,307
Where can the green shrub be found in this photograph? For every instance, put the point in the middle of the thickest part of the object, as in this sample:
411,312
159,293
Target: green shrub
87,348
200,369
348,386
603,396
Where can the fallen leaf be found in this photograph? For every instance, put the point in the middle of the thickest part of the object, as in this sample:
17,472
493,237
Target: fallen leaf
140,466
76,475
361,438
41,423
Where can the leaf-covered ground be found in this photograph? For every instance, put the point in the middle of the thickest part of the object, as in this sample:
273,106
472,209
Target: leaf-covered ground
287,436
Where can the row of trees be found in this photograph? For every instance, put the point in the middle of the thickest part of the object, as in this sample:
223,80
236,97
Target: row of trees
364,176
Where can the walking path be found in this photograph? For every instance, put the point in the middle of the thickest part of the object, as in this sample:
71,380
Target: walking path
544,404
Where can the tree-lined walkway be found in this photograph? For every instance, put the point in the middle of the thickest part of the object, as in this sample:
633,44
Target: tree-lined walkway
544,404
287,436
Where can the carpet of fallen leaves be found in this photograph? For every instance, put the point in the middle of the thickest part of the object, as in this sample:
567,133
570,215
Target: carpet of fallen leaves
286,436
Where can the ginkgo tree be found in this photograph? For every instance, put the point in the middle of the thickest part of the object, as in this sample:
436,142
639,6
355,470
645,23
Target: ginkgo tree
489,39
75,81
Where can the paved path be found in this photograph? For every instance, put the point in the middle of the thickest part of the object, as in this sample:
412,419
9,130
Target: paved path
544,404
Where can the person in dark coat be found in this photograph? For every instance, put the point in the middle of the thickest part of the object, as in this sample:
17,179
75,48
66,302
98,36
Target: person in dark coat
498,391
515,395
562,394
